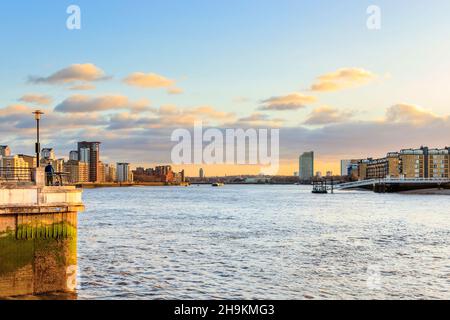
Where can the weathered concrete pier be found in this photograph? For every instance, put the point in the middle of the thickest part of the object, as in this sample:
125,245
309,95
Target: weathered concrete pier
38,237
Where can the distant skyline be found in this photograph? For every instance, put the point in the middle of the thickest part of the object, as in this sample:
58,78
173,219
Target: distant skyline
138,70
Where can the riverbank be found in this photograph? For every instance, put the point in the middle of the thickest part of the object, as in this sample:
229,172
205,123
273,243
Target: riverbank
434,191
127,185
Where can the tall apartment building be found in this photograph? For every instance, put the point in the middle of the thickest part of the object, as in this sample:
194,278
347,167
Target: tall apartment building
84,155
101,172
30,160
73,155
123,172
110,173
438,163
306,165
345,164
48,154
13,162
78,171
89,152
5,151
12,167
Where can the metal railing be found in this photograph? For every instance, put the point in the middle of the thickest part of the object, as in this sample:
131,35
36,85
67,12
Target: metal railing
12,174
391,180
60,179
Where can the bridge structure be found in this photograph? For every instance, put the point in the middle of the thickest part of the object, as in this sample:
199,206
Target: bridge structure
394,184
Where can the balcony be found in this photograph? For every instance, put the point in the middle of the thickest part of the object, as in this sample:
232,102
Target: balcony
16,175
30,176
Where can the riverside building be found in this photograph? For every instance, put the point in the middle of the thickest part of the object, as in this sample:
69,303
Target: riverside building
90,152
78,171
5,151
306,165
407,163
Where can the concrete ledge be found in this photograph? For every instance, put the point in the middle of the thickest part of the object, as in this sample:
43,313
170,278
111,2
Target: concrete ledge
29,196
41,209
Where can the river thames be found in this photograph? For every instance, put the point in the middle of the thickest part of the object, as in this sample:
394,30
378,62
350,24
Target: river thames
262,242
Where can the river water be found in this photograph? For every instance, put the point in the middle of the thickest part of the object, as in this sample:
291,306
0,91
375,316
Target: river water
262,242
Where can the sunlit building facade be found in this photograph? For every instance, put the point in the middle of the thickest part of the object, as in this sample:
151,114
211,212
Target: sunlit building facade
408,163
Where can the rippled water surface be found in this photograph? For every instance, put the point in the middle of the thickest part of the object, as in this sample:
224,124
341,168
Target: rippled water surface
262,242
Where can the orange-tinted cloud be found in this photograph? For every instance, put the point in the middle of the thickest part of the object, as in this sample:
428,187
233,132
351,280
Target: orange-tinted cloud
409,113
342,79
75,73
82,103
36,99
170,115
175,91
83,87
148,80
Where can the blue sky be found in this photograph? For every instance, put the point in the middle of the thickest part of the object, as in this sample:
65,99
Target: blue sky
220,52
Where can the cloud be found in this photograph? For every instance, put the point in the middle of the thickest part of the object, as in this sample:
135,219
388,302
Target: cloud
293,101
87,72
259,120
211,113
82,103
19,120
15,109
326,115
171,116
409,113
36,99
175,91
150,80
82,87
342,79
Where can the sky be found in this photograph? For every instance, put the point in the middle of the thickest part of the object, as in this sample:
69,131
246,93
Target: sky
137,70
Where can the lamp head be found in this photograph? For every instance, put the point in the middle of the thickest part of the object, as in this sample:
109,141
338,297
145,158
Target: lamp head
37,114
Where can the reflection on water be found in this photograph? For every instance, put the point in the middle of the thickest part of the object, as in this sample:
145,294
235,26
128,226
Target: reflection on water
53,296
262,242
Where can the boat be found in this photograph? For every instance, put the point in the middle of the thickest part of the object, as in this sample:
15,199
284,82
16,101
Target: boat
218,184
319,190
320,187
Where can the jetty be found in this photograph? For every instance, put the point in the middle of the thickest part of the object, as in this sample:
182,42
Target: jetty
390,185
38,234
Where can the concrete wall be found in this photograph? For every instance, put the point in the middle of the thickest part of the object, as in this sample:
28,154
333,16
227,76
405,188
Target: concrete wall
32,195
38,239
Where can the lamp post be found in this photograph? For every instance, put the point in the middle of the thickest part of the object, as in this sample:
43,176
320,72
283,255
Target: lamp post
37,117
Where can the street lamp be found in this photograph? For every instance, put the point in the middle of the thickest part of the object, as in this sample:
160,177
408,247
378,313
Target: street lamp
37,117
